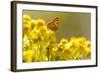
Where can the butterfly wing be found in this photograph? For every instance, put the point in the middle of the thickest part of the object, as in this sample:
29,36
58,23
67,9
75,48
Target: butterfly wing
51,26
54,24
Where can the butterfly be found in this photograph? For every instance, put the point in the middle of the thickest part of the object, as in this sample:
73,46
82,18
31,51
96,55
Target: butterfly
54,24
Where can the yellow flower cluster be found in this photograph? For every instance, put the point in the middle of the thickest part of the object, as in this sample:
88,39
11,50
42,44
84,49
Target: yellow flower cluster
39,44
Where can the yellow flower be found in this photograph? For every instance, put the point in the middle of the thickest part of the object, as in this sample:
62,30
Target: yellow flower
50,32
26,18
54,48
68,45
33,24
88,44
26,42
40,23
51,35
27,27
26,24
43,29
64,41
28,55
81,39
87,50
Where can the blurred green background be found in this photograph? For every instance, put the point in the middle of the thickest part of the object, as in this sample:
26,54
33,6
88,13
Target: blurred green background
71,24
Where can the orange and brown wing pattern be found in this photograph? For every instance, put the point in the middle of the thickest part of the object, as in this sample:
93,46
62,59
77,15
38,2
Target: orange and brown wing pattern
54,24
